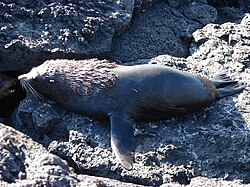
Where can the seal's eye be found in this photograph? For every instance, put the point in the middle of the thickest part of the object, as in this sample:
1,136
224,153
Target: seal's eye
51,81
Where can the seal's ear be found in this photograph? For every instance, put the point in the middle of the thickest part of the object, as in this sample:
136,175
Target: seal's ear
122,139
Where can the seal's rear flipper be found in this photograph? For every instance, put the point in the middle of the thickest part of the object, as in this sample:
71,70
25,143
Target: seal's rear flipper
230,90
122,139
222,80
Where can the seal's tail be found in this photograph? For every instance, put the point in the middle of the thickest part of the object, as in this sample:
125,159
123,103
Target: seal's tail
221,80
226,86
230,90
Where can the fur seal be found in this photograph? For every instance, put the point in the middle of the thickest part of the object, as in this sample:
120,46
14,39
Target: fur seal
7,85
98,88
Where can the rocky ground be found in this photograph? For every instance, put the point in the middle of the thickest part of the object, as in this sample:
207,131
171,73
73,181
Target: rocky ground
43,144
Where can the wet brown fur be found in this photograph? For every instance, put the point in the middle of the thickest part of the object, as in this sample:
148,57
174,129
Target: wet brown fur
91,75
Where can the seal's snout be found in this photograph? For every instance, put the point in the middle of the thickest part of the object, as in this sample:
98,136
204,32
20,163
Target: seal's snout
27,83
21,77
29,76
23,80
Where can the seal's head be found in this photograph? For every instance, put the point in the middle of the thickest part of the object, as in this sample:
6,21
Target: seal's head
34,80
7,85
68,78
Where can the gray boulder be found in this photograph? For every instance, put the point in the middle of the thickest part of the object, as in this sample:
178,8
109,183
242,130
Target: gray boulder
27,163
210,147
31,33
212,143
162,29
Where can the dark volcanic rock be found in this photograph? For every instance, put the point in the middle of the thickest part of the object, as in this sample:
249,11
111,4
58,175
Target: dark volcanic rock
9,102
27,163
230,10
169,34
30,33
210,147
212,143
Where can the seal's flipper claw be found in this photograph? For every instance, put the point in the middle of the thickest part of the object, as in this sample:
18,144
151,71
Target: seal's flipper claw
122,139
230,90
222,80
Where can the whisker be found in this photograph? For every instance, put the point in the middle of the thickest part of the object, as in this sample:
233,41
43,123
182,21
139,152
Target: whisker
28,87
34,92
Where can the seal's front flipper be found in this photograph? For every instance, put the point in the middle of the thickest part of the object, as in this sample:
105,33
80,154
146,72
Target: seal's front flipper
222,80
230,90
122,139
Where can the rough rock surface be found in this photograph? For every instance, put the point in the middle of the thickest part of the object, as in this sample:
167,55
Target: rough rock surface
212,143
28,163
169,34
208,148
31,32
